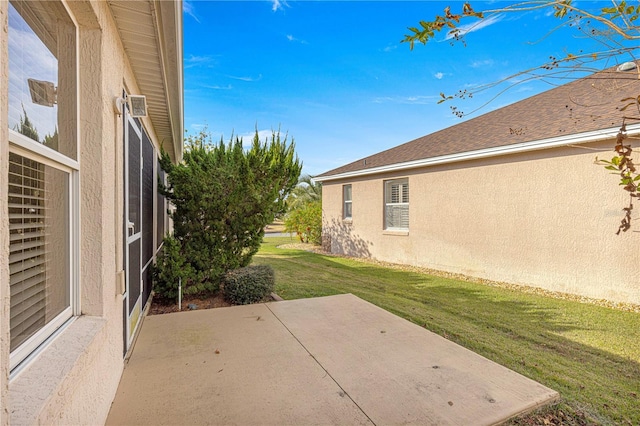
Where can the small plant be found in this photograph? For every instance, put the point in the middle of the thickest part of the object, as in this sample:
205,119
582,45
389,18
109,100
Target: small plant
250,284
169,268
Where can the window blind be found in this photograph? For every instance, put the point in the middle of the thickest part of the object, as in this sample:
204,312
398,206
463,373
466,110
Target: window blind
27,247
397,204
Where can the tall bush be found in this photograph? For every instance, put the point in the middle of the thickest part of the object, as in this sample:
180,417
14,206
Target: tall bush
224,195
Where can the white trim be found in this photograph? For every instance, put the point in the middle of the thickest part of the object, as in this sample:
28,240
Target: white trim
49,156
581,138
30,348
20,355
403,187
33,150
75,238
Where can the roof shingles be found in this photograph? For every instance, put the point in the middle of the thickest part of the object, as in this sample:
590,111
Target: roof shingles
584,105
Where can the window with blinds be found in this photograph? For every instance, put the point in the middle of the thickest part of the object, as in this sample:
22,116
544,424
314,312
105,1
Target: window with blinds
347,211
38,235
43,169
396,209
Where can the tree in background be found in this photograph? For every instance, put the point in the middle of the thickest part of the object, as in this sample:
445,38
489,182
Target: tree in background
224,195
305,192
612,24
26,127
306,221
304,211
51,140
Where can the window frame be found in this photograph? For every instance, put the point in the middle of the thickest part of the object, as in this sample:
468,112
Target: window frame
388,185
36,151
345,202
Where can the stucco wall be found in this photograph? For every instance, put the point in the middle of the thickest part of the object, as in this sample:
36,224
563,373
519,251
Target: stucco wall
75,377
546,218
4,212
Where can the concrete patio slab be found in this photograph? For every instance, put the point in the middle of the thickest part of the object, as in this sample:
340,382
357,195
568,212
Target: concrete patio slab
330,360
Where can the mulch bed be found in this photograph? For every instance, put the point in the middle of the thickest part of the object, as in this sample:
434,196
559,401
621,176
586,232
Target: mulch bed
197,302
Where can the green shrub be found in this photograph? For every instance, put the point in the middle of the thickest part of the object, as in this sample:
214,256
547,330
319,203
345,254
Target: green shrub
224,195
250,284
169,268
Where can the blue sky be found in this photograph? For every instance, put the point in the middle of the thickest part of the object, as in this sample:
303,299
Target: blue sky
335,77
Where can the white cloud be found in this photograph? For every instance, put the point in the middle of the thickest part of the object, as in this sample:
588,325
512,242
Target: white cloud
390,48
196,61
292,38
409,100
217,87
474,26
439,75
278,5
482,63
189,9
249,79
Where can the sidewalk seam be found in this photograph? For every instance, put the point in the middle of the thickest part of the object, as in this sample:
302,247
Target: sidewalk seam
321,366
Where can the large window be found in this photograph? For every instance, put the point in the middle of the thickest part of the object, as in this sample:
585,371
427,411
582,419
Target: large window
396,204
346,200
43,172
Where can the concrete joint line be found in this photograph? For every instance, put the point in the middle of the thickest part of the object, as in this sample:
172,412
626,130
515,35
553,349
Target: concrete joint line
321,366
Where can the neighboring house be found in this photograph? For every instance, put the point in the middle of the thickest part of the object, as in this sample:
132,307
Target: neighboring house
512,195
81,218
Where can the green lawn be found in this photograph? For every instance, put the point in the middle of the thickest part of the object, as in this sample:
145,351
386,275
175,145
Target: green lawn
590,354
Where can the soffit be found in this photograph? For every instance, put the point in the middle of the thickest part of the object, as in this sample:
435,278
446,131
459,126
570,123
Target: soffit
151,33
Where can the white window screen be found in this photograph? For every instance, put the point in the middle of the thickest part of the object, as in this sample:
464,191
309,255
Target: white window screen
396,212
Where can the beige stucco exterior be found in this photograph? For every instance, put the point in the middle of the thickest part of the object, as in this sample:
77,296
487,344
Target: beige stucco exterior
4,225
545,218
75,376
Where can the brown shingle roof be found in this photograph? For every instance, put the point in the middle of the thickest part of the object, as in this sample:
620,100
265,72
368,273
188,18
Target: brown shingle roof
588,104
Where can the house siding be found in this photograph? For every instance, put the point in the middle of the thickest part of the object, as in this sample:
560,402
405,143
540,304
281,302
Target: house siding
74,378
545,219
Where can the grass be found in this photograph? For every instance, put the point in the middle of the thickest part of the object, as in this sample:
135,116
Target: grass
590,354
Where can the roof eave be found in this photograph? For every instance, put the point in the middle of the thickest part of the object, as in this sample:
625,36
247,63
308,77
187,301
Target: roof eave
169,19
151,33
555,142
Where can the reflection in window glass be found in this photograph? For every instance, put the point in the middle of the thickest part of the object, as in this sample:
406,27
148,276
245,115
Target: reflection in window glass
42,69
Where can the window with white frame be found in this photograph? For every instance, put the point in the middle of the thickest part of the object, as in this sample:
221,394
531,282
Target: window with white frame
43,172
347,211
396,204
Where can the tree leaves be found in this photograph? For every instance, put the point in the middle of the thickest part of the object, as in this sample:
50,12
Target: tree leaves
623,164
448,21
